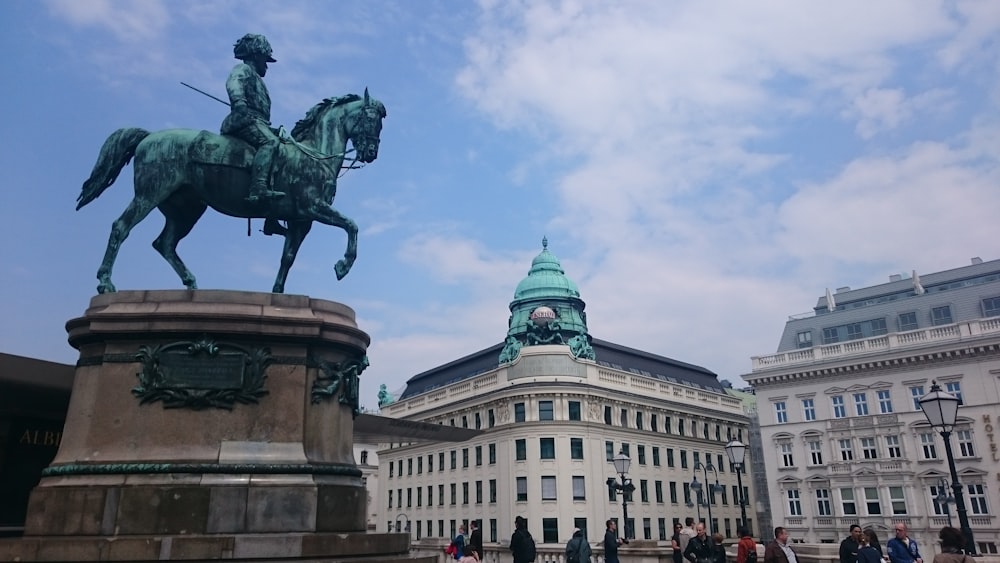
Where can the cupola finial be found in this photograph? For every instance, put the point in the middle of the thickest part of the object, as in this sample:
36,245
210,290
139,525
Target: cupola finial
545,243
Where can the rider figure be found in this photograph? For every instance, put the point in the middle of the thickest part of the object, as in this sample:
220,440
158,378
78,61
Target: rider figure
250,115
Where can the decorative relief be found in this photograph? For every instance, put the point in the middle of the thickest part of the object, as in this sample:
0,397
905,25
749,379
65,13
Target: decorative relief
595,411
201,374
503,412
343,378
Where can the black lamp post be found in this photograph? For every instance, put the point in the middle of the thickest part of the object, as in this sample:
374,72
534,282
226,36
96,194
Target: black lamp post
696,487
622,464
941,410
943,498
737,452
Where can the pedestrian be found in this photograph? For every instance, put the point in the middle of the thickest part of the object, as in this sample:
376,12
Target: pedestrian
611,542
850,545
867,552
873,538
719,549
746,550
578,548
476,539
522,545
459,542
952,547
902,549
779,550
675,543
700,548
687,532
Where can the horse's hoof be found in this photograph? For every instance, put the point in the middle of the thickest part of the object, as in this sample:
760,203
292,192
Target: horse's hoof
341,268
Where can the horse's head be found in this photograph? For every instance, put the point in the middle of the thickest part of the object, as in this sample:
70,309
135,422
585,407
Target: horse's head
364,125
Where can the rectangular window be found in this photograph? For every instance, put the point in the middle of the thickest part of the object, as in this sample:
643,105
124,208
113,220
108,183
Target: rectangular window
672,488
420,465
479,456
878,327
680,427
440,495
579,488
493,530
518,412
794,503
884,401
607,415
839,410
638,421
815,452
399,498
430,495
625,449
872,502
861,404
780,412
670,457
479,492
420,496
548,488
831,335
927,445
576,448
897,500
846,449
991,307
684,459
522,489
823,502
661,528
907,322
868,448
641,452
687,491
465,457
493,490
916,392
939,499
647,531
574,410
892,448
493,454
666,425
465,492
643,490
479,421
623,418
409,466
454,494
454,459
390,498
808,409
965,447
391,466
941,315
955,388
609,451
430,463
847,502
977,498
550,530
491,419
545,411
656,456
441,461
658,491
465,421
786,455
547,448
652,423
520,449
854,331
804,339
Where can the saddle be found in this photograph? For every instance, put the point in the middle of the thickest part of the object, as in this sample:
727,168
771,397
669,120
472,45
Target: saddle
221,150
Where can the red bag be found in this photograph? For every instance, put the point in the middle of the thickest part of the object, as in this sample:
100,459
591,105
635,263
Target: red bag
451,549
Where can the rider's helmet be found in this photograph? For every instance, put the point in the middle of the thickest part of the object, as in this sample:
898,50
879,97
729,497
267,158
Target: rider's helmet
252,44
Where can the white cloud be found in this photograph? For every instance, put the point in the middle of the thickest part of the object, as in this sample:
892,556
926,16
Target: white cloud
130,22
882,109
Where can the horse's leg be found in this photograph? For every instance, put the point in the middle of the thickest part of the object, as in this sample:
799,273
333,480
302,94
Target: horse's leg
136,211
329,216
297,231
181,214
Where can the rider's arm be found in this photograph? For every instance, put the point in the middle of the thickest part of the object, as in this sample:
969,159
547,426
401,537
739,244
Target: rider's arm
236,87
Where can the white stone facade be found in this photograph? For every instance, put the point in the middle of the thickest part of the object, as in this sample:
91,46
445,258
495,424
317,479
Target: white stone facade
550,422
849,442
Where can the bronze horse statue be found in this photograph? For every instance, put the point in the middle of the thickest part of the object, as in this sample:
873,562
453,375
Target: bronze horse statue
182,172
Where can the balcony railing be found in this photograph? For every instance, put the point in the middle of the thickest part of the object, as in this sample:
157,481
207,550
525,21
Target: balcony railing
957,332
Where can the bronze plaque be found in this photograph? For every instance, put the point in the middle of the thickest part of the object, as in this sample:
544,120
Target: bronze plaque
220,371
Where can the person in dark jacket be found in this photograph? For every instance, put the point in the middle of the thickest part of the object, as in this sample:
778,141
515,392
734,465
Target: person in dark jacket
867,552
850,546
719,549
780,550
578,549
475,539
700,548
675,543
520,541
611,542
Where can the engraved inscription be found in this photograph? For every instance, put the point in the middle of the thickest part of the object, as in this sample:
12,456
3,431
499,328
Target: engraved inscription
222,371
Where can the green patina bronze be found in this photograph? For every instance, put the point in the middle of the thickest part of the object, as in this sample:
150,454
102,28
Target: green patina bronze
201,374
182,172
214,468
384,396
343,378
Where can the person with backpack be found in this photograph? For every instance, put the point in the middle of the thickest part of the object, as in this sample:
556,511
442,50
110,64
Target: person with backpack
746,549
459,542
522,545
578,548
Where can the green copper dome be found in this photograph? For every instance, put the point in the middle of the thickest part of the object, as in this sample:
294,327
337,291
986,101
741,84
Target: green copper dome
546,278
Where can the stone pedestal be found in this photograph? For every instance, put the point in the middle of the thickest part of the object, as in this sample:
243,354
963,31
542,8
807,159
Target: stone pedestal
207,424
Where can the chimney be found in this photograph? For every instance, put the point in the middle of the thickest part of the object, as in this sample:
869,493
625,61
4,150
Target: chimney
895,277
976,260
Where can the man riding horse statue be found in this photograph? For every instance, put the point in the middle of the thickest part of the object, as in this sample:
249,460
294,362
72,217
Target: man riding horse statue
182,172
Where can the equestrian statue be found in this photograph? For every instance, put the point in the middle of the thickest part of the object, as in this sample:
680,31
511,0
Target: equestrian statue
182,172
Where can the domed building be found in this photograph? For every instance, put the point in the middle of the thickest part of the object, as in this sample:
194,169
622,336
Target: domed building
555,406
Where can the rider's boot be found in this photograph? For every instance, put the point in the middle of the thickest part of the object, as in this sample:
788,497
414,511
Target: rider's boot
273,227
260,172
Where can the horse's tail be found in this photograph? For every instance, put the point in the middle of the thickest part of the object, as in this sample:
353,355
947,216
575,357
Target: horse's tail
115,154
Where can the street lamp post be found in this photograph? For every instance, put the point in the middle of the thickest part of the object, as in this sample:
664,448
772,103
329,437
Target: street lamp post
696,487
944,499
737,452
622,464
941,410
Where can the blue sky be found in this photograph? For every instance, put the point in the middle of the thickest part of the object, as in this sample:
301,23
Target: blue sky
702,169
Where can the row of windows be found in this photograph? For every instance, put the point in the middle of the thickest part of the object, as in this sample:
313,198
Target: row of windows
873,448
397,468
878,501
904,322
416,496
860,403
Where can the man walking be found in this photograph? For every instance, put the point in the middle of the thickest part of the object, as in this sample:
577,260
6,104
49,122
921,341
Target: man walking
700,548
778,551
611,542
902,549
522,545
475,539
850,546
578,549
